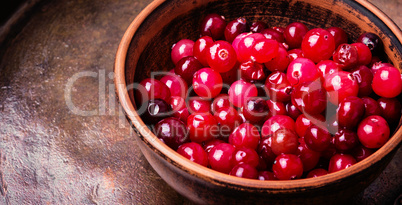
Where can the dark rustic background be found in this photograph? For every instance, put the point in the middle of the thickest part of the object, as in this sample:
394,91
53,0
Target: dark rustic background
49,154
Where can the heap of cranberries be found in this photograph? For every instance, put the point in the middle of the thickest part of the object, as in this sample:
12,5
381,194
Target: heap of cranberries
273,103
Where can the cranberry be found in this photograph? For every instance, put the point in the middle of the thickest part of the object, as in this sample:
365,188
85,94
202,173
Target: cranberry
252,71
363,53
234,28
222,56
273,34
199,105
345,140
390,109
317,173
275,108
301,70
244,171
329,152
245,135
236,41
292,111
309,97
364,77
255,110
220,101
361,152
246,46
240,91
303,122
202,127
213,25
156,110
266,175
327,67
316,138
280,29
372,107
288,166
332,124
275,123
265,151
151,88
176,85
280,62
246,155
340,161
228,119
201,49
387,82
294,34
186,67
308,157
194,152
340,85
207,83
208,145
346,56
221,157
172,132
284,141
264,50
278,87
181,49
373,131
318,44
179,108
340,36
258,26
372,41
350,112
295,54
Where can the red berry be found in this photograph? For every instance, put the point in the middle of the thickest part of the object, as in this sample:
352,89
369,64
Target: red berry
194,152
284,141
346,56
350,112
255,110
264,50
150,88
278,87
246,46
246,155
181,49
234,28
294,34
240,91
258,26
316,138
364,77
373,131
228,119
275,123
387,82
266,175
220,101
245,135
280,62
340,36
340,161
345,140
390,109
201,49
222,56
340,85
221,157
199,105
301,70
288,166
316,173
308,157
172,132
244,171
318,44
176,85
207,83
309,97
251,71
327,67
186,67
213,25
202,127
363,53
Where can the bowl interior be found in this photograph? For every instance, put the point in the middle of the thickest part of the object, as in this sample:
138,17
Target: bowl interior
165,22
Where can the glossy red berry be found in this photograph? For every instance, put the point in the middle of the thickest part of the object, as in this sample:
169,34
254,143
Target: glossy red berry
317,138
228,119
181,49
172,132
202,127
308,157
176,85
373,131
246,155
372,107
251,71
244,170
240,91
246,46
294,34
301,70
151,88
186,67
390,109
156,110
275,123
292,111
303,122
363,53
266,175
179,108
264,50
364,77
318,44
213,25
284,141
245,135
234,28
220,101
222,56
327,67
208,145
278,87
207,83
280,62
340,161
255,110
310,97
345,140
316,173
387,82
198,105
361,152
295,54
372,41
275,108
221,157
258,26
350,112
265,151
287,166
194,152
340,85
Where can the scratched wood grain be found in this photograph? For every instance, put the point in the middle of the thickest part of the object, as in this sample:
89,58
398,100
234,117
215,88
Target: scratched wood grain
63,138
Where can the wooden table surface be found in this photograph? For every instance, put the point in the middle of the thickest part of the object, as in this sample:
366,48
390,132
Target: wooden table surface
59,61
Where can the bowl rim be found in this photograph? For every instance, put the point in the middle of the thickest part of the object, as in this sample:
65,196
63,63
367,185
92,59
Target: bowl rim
215,177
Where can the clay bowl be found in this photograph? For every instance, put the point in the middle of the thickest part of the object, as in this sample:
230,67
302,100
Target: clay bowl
145,47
